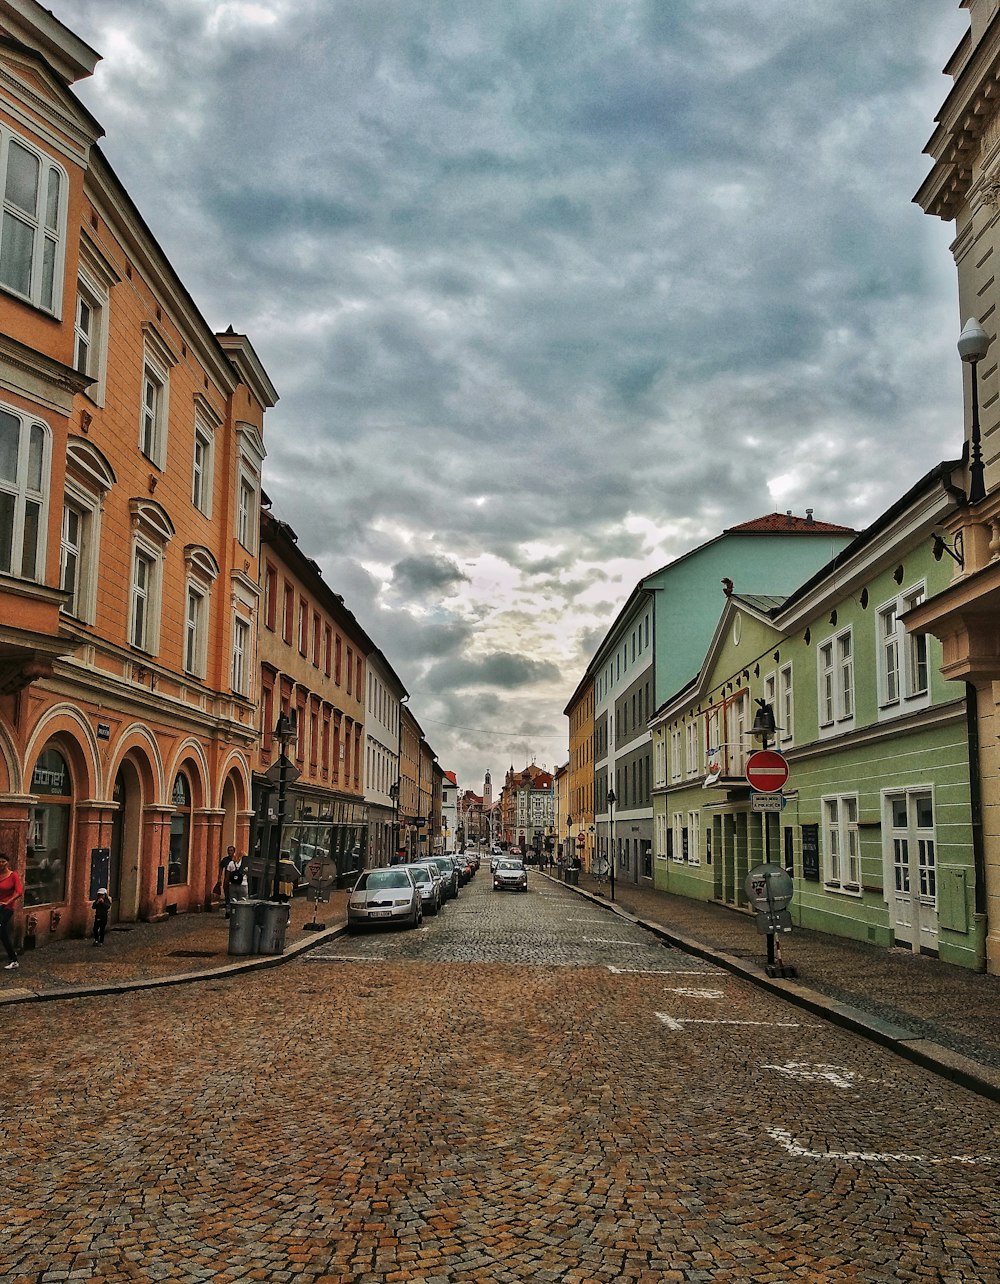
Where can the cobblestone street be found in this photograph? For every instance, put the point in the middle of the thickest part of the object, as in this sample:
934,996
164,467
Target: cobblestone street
525,1089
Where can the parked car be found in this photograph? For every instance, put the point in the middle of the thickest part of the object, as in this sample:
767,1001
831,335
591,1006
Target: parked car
384,896
431,896
510,874
449,874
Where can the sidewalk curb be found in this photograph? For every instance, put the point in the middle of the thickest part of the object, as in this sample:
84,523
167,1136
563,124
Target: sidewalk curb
248,964
980,1079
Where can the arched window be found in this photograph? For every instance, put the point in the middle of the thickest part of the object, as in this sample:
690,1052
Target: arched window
48,830
180,831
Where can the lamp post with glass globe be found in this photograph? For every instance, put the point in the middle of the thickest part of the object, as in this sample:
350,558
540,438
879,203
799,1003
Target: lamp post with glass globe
611,845
972,345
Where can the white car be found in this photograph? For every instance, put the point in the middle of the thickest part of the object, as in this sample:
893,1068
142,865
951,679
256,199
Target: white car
384,896
512,874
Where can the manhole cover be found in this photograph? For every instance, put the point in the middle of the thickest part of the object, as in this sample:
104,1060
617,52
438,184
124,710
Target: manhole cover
192,954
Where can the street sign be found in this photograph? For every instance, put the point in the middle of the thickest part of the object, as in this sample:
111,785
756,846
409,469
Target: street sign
768,888
766,771
273,773
767,802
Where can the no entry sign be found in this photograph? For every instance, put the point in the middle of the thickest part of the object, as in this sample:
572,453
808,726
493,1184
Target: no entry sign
766,771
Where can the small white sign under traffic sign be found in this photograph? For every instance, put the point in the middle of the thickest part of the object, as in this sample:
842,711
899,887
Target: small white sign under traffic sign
767,802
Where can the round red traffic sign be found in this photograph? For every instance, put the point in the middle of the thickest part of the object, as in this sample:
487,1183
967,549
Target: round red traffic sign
766,771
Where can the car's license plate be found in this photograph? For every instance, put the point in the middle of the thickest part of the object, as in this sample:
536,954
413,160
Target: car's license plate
379,913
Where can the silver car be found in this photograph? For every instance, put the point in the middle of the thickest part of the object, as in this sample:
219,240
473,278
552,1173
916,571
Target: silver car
431,894
384,896
512,874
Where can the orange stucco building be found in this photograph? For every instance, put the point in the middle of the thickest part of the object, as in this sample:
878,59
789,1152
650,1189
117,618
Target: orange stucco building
131,448
313,664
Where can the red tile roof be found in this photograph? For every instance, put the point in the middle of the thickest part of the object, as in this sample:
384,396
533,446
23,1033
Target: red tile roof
788,524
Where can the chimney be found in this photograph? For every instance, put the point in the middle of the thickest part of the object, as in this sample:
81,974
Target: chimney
809,515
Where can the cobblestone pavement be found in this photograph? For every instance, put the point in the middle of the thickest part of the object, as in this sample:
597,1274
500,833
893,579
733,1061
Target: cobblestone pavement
955,1008
524,1089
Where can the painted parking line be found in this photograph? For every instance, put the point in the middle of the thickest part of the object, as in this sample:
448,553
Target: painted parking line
837,1076
787,1141
690,993
678,1023
661,971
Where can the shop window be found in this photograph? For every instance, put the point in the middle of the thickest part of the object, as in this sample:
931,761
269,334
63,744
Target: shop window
48,831
180,831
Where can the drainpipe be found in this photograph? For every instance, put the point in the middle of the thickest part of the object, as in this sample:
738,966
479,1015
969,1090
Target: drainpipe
976,808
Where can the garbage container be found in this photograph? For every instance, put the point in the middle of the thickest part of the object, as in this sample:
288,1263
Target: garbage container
243,927
274,923
573,877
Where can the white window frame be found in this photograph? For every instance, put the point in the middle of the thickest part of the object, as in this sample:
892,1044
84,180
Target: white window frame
89,479
677,825
660,752
151,594
47,230
195,628
841,843
203,469
784,710
737,730
902,655
241,656
74,558
152,532
836,702
246,516
660,821
692,736
92,290
694,837
243,674
676,754
153,403
27,493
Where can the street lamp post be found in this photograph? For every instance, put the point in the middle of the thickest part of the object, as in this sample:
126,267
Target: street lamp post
611,844
394,795
286,733
972,345
569,838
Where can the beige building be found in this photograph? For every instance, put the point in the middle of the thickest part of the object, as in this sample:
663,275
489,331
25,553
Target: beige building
963,186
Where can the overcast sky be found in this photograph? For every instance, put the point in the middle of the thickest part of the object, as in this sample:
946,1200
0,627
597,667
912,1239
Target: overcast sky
552,291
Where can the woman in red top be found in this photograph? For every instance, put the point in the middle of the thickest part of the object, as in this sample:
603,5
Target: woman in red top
11,888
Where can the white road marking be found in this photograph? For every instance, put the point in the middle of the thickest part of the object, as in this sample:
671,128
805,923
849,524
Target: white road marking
785,1139
658,971
691,993
836,1075
678,1023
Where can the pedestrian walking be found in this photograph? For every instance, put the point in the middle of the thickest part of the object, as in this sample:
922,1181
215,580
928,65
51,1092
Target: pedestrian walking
101,905
223,862
236,879
11,889
288,877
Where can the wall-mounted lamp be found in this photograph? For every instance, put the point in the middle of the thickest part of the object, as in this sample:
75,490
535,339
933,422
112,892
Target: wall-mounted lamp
956,550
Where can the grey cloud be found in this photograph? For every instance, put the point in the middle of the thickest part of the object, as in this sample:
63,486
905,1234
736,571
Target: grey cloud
415,576
505,672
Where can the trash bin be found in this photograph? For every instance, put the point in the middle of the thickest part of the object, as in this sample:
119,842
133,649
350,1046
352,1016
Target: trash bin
243,927
274,923
573,877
